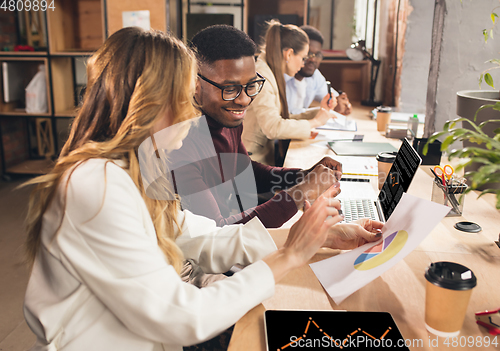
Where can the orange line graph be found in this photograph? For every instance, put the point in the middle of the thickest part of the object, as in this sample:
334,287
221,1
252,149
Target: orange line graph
359,330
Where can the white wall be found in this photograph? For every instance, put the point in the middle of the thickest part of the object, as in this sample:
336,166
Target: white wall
464,52
416,60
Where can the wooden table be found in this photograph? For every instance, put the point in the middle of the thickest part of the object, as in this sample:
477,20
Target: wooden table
400,290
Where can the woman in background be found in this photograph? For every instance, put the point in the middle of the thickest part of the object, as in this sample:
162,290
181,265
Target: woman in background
105,257
284,51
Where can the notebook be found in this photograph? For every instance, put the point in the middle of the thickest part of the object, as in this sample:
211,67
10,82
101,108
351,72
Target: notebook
343,148
358,200
331,330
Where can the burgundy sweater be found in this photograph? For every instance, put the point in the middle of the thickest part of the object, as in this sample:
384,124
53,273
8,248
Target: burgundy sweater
207,185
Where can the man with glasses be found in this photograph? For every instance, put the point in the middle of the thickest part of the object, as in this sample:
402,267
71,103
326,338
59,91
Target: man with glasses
309,84
210,185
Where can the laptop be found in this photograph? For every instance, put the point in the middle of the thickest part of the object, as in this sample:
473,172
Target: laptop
358,200
331,330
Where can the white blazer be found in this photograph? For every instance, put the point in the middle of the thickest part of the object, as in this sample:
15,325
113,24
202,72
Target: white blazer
102,283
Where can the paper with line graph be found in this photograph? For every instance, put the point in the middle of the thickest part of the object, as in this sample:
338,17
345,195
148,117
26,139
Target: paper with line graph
412,220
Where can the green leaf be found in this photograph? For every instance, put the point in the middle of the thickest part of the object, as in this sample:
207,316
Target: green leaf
495,61
489,80
425,149
481,80
460,132
485,34
447,142
491,33
494,16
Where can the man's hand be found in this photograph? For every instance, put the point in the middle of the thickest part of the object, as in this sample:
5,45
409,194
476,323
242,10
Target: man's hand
346,236
313,184
343,106
328,162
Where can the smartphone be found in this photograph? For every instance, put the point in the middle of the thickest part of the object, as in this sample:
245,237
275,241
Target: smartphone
329,88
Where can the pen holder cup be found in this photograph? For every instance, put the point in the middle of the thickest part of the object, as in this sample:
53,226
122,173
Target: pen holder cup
449,196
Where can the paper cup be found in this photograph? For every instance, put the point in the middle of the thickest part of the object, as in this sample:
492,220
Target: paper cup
448,290
385,161
383,117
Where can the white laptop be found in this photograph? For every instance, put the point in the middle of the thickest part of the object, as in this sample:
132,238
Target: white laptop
358,199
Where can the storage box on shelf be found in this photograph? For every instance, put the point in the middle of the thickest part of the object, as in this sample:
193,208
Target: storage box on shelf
16,74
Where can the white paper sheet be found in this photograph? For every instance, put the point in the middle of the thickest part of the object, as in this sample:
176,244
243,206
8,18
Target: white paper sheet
136,19
344,274
339,118
358,165
332,124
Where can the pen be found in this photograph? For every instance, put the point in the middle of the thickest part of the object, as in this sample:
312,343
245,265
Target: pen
435,175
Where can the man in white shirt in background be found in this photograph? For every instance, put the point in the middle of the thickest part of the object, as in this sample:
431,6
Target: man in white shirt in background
309,84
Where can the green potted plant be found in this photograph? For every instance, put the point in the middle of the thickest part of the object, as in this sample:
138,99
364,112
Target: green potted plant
479,149
480,135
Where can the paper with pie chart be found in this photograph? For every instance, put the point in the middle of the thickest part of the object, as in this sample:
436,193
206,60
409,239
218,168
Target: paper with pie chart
344,274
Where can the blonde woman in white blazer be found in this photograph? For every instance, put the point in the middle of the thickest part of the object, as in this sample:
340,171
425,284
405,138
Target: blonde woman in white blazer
106,251
286,47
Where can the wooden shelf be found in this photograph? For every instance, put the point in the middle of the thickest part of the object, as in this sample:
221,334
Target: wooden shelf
74,32
26,67
24,114
32,167
75,53
77,26
66,114
17,54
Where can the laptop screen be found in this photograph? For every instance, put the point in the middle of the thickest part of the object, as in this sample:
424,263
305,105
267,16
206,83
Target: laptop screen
400,176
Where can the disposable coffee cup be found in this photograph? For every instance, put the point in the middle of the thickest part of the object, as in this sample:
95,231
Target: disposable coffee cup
383,117
385,161
448,290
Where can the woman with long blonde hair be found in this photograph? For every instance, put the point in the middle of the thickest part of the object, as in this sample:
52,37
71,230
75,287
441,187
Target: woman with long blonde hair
284,51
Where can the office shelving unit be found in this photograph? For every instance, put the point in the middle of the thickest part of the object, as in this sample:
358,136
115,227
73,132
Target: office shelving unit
73,31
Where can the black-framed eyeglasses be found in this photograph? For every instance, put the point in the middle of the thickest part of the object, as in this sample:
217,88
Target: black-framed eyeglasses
311,56
231,92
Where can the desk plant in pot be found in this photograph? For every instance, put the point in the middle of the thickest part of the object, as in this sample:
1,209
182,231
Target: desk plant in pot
480,150
479,112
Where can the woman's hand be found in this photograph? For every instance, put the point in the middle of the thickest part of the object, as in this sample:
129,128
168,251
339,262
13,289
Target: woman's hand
321,118
324,115
307,235
346,236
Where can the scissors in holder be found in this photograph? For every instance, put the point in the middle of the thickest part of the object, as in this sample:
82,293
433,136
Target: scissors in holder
444,172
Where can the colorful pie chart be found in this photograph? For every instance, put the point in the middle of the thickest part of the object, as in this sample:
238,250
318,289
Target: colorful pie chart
382,252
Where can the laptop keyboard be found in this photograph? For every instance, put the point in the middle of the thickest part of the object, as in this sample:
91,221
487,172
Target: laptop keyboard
354,209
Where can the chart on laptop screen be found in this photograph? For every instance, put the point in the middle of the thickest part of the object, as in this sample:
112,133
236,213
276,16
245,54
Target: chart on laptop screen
400,176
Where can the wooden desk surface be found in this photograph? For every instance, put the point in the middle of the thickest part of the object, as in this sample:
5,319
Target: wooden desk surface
400,290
